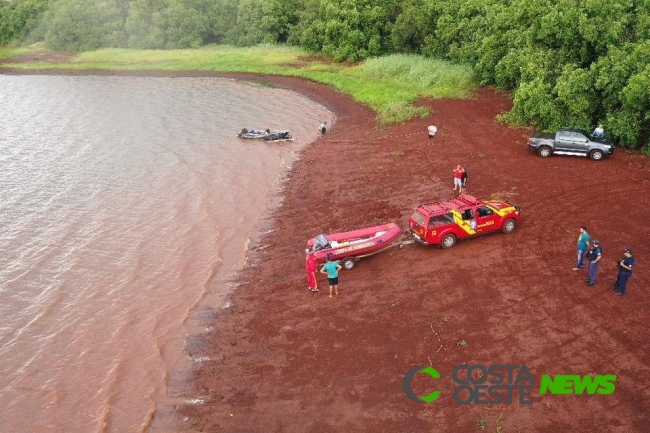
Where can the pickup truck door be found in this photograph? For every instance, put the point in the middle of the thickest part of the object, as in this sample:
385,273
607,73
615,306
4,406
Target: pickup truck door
579,143
563,140
436,226
486,219
466,223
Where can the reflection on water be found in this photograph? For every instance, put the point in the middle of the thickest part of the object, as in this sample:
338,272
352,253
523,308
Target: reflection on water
122,201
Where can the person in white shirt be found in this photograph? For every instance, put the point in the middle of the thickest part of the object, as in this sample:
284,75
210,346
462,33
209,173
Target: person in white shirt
323,127
432,131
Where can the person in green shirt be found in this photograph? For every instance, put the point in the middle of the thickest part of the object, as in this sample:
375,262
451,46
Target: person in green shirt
332,270
583,244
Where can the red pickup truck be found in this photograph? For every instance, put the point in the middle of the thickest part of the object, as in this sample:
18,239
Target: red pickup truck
444,223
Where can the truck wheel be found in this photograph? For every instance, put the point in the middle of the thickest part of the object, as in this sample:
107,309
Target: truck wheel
448,241
596,155
349,263
509,226
544,151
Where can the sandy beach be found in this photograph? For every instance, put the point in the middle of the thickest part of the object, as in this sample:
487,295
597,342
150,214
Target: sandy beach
282,359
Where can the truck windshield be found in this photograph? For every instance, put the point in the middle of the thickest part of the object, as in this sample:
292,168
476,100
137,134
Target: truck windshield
419,218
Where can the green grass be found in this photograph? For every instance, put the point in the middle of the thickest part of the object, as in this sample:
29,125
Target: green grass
389,85
9,52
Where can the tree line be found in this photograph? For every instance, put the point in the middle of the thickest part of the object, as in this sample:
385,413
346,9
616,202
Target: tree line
569,62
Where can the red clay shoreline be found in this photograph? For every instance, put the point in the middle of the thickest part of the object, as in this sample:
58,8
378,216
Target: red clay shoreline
282,359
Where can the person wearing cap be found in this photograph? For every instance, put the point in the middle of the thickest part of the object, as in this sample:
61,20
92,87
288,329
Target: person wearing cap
583,244
323,128
624,272
594,255
310,267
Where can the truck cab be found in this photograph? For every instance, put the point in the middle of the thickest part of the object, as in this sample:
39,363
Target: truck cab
444,223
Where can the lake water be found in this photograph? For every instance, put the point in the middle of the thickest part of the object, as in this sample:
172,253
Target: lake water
125,203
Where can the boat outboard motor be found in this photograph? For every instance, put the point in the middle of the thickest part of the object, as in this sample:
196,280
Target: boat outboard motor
321,243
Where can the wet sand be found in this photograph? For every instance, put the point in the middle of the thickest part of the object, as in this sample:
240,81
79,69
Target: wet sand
283,359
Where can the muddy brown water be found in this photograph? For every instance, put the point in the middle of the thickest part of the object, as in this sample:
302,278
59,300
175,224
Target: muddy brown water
125,204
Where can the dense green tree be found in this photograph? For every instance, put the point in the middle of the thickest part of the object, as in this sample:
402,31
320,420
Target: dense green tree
347,29
183,24
6,31
222,16
77,25
19,19
169,24
414,25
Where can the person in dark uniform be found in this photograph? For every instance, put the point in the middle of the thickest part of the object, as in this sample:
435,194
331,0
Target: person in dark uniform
594,255
624,272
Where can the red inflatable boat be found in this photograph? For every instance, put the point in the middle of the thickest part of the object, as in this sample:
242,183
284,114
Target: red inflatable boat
348,247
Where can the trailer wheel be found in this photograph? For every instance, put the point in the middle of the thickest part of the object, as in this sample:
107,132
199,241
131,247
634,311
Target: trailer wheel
448,241
348,263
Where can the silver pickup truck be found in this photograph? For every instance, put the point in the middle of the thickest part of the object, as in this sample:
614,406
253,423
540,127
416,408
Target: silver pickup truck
570,142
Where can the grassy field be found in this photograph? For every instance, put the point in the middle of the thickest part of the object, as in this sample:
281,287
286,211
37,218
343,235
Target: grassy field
8,53
389,85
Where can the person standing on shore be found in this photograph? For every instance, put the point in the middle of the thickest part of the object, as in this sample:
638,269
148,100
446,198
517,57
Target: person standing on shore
310,267
458,174
331,269
594,255
432,131
323,128
599,132
583,244
624,272
463,180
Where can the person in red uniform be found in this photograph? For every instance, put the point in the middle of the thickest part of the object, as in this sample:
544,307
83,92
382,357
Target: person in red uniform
310,267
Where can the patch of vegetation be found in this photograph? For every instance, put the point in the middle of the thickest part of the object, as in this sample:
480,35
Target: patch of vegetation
497,421
399,112
505,195
398,153
9,52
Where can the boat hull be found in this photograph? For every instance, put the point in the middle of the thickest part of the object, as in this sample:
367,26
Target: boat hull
358,243
267,135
